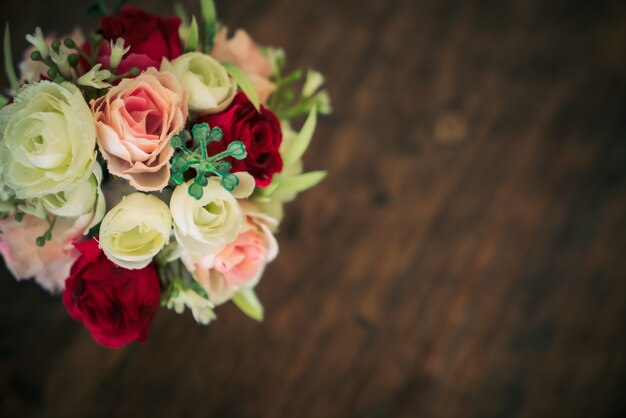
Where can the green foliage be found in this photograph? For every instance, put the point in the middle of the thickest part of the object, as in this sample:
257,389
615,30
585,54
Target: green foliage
247,301
244,83
302,141
209,24
8,60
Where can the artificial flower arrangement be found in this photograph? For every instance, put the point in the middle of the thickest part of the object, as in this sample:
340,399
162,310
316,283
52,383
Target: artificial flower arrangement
146,164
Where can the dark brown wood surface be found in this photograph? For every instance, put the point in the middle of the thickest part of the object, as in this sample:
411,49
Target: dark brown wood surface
464,258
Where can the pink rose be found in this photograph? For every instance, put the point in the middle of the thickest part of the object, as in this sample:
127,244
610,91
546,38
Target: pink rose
50,265
135,122
244,53
240,264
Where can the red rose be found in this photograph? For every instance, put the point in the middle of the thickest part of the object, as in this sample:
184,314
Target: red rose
116,305
151,38
259,131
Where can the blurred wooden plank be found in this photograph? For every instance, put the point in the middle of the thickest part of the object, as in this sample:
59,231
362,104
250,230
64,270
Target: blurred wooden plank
463,258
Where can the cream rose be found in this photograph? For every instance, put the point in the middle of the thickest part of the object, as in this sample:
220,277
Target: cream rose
135,230
79,200
135,121
206,225
206,81
48,140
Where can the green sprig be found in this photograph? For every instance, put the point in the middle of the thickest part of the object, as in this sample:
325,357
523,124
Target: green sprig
198,159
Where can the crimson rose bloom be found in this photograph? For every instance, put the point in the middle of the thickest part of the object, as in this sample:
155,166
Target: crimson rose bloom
116,305
150,38
260,132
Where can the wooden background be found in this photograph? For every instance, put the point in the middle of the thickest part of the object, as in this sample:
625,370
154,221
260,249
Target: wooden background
465,257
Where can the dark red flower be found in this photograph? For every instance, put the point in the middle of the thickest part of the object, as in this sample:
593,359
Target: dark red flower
260,132
116,305
151,38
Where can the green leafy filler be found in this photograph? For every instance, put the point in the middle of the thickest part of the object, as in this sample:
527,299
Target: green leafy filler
198,159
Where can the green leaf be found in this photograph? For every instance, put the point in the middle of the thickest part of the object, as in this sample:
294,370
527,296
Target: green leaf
297,184
209,21
302,141
244,82
8,60
180,11
249,304
192,37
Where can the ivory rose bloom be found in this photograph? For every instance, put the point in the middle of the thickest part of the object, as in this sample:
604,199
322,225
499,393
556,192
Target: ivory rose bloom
48,140
240,264
210,223
206,81
244,53
50,265
135,230
135,121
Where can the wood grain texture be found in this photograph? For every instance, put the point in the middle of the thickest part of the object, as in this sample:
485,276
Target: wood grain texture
464,258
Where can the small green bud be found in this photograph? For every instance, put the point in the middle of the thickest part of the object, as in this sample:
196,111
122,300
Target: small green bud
56,44
200,131
69,42
216,134
230,181
35,56
134,71
201,180
19,216
223,166
47,236
40,241
237,150
98,38
178,178
72,59
195,191
52,73
176,142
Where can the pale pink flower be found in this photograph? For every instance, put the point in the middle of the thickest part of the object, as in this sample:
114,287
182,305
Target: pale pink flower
240,264
244,53
49,265
135,121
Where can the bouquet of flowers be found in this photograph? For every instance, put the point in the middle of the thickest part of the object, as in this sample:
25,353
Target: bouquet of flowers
146,164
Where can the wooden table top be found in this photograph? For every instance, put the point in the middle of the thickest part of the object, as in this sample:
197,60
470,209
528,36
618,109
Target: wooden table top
464,257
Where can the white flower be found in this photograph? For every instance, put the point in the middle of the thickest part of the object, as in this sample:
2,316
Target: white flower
95,78
209,87
206,225
117,52
314,81
39,42
60,59
135,230
201,308
48,140
77,201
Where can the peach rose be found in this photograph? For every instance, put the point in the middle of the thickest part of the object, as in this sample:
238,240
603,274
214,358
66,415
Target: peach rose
135,121
244,53
240,264
50,265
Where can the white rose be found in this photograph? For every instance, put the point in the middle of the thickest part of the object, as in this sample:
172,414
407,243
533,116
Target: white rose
48,140
135,230
79,200
206,81
207,225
